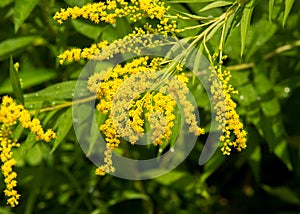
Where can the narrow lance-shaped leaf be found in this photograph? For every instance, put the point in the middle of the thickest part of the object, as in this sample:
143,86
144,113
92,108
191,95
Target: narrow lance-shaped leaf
215,5
245,23
287,10
64,124
271,4
15,81
228,26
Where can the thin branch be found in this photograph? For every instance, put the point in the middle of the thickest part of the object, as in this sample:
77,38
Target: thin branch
67,104
282,49
267,56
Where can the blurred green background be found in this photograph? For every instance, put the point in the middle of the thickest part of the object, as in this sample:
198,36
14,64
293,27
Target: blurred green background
265,178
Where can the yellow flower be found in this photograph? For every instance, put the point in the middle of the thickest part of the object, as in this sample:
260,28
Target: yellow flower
227,116
10,114
135,10
129,103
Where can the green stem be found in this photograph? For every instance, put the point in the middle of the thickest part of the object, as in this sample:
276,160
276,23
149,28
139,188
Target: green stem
68,104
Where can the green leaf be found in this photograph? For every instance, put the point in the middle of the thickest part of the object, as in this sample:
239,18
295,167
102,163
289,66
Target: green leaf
228,26
212,165
284,193
287,10
29,78
78,3
271,108
98,119
171,177
34,155
15,81
261,32
64,124
240,78
110,34
59,91
281,151
214,31
20,153
254,162
262,84
9,46
181,23
130,195
124,28
23,9
248,94
215,5
245,23
18,131
4,3
271,4
89,30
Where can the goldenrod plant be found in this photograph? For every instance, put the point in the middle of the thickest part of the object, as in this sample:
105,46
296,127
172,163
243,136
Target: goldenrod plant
229,120
184,93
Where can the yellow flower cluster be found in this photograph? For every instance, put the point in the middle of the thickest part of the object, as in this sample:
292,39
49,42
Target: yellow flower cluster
7,164
233,133
132,43
87,53
108,12
108,164
132,94
10,114
112,9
